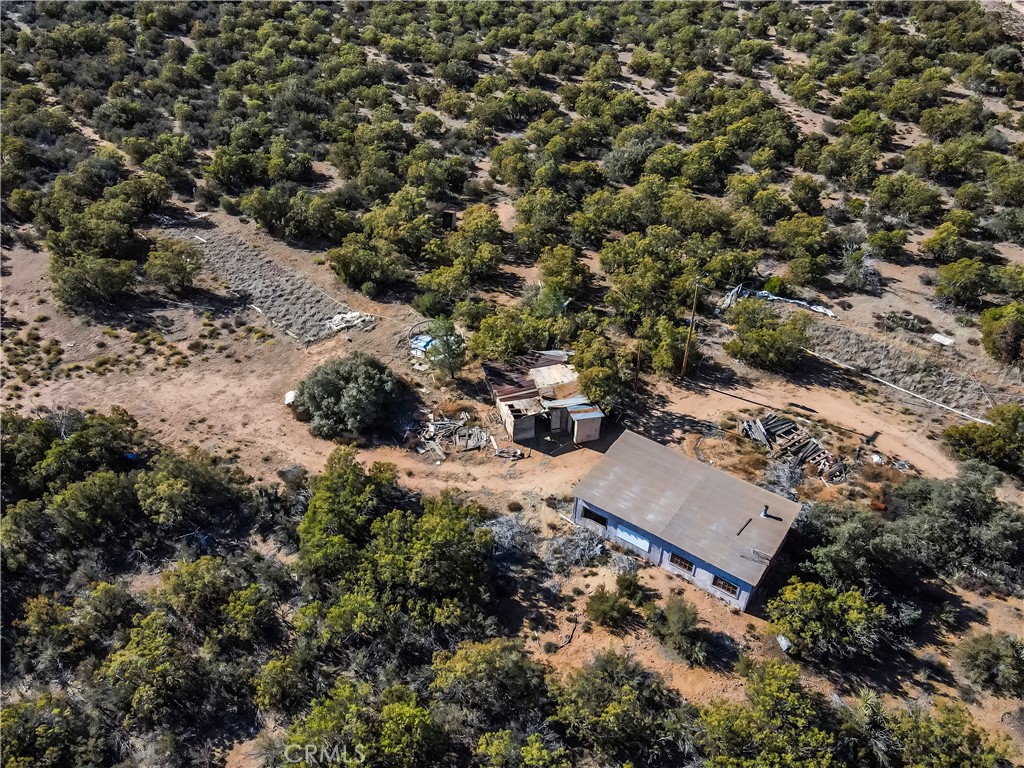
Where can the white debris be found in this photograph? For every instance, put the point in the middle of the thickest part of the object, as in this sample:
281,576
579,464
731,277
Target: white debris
740,292
946,341
289,397
352,319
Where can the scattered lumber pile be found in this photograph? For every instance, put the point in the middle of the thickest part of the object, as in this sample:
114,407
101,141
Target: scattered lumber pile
441,436
784,437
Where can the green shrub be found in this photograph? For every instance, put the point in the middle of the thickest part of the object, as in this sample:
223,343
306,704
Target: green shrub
1000,443
1002,332
609,609
675,624
628,586
764,339
777,284
995,662
365,265
347,396
430,304
963,281
174,263
821,622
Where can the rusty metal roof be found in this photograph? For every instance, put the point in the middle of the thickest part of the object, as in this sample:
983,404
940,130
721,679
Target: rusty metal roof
584,411
515,380
698,508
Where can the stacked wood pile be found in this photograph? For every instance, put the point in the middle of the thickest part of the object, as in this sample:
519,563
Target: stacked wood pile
784,437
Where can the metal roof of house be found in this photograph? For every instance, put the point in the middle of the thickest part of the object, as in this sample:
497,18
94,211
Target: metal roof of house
698,508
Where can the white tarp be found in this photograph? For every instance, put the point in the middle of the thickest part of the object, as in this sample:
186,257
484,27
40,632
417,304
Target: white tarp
635,539
740,292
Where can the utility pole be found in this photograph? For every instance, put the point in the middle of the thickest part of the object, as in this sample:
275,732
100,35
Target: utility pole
689,331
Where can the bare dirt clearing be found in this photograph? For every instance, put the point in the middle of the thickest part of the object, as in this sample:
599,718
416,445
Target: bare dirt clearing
291,303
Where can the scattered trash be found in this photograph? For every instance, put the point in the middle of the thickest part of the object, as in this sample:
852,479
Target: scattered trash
509,453
784,643
881,460
418,344
353,319
946,341
289,397
740,292
787,438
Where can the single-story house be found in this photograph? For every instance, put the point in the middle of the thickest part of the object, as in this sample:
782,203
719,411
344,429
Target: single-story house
691,519
538,394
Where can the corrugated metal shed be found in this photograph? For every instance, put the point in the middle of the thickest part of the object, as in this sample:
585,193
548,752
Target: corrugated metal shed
581,412
698,508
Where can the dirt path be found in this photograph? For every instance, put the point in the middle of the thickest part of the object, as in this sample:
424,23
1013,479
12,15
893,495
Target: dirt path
889,430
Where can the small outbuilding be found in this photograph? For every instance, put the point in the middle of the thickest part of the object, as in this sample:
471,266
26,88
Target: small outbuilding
538,394
694,520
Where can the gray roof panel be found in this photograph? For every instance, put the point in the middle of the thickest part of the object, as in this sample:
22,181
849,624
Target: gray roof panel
691,505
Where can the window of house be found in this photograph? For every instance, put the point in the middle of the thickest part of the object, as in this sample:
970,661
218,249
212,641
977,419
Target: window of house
590,514
726,586
681,562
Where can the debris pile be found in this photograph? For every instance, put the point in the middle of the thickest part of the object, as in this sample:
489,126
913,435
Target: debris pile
512,534
881,460
353,319
740,292
442,435
573,550
787,438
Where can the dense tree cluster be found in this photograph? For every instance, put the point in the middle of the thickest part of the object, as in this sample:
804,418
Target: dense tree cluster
87,501
870,569
410,111
382,639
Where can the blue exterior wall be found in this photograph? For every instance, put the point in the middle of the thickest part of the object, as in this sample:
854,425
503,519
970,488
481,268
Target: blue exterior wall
660,553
